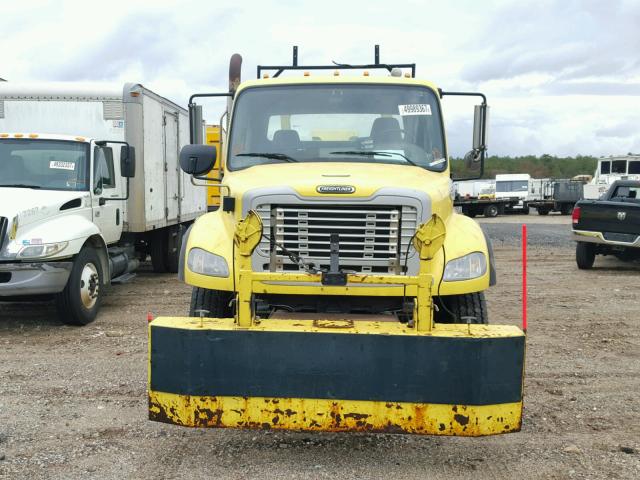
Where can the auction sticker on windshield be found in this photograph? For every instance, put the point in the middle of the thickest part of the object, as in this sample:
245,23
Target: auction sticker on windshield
62,165
415,109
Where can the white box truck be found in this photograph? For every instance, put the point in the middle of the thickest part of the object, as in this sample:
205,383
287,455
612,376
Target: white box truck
89,186
514,185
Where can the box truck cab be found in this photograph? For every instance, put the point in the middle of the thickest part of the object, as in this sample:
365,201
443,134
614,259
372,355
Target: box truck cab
78,211
514,185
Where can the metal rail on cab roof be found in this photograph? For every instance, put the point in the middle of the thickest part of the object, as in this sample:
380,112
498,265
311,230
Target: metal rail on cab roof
336,66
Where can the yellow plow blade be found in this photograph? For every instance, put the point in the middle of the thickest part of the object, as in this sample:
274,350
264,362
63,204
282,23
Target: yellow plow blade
336,376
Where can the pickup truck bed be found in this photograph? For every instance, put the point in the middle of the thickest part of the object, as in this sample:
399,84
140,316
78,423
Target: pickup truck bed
608,226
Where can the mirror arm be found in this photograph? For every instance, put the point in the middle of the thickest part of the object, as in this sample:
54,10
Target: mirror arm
483,147
219,185
192,104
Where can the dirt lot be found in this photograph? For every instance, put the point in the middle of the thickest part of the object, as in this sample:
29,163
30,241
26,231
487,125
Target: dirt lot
73,404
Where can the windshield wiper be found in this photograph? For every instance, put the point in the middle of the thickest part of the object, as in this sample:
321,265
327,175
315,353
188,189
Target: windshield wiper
20,185
274,156
371,153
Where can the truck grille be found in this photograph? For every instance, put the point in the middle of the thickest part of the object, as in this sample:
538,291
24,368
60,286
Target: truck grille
372,238
4,222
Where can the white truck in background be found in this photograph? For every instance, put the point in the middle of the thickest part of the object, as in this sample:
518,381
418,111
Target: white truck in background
609,170
514,185
89,186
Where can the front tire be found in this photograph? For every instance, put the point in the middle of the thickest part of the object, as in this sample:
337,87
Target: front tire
585,255
79,302
215,302
455,309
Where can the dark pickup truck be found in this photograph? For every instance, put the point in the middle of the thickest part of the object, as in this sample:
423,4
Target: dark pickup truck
608,226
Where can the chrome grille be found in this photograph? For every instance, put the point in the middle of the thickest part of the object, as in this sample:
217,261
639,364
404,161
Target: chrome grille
373,239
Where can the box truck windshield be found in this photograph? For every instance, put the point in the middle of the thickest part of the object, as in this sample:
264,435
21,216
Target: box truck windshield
337,123
512,186
44,164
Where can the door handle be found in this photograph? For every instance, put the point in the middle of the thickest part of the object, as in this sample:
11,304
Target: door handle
102,201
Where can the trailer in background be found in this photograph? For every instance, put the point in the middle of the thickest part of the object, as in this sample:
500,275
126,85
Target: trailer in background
558,196
489,207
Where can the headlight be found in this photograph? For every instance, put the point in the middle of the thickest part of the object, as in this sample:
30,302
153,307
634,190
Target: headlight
470,266
44,250
206,263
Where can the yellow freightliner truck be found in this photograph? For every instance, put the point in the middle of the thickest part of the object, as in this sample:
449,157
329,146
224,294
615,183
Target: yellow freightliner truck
335,288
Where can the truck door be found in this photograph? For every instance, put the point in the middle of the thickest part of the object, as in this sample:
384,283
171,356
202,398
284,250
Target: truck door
171,166
105,184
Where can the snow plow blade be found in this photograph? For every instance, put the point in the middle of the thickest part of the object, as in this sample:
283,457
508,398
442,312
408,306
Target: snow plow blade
336,375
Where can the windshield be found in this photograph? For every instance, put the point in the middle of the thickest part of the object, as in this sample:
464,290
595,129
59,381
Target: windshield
337,123
45,164
512,186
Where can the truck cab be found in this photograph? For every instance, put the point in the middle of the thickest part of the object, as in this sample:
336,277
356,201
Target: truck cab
363,158
59,201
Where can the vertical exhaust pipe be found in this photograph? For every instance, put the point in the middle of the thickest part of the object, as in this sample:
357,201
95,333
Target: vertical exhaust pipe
235,67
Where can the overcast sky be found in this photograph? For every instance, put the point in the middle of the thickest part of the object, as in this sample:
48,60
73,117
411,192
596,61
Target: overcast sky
562,77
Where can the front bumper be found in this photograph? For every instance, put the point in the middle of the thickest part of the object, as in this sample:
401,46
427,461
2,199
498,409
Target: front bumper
35,278
597,237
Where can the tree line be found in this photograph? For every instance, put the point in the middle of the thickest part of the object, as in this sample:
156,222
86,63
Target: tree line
544,166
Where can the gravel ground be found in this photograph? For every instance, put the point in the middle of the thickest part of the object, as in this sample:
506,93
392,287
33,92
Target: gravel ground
73,404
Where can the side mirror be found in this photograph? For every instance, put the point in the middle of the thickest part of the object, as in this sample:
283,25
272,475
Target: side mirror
197,159
480,127
127,161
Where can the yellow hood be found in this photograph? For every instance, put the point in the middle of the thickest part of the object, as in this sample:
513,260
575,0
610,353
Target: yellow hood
365,179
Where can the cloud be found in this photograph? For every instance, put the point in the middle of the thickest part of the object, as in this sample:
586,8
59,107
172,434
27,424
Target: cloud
561,76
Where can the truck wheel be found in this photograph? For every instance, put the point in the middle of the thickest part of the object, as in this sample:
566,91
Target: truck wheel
158,246
216,302
79,302
525,210
455,307
491,211
566,209
585,255
543,211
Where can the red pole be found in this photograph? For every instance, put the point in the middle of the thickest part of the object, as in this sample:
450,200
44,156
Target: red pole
524,277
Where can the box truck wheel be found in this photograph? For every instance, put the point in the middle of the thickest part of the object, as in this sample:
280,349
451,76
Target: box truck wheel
216,303
164,248
158,245
543,211
79,302
174,242
585,255
460,308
